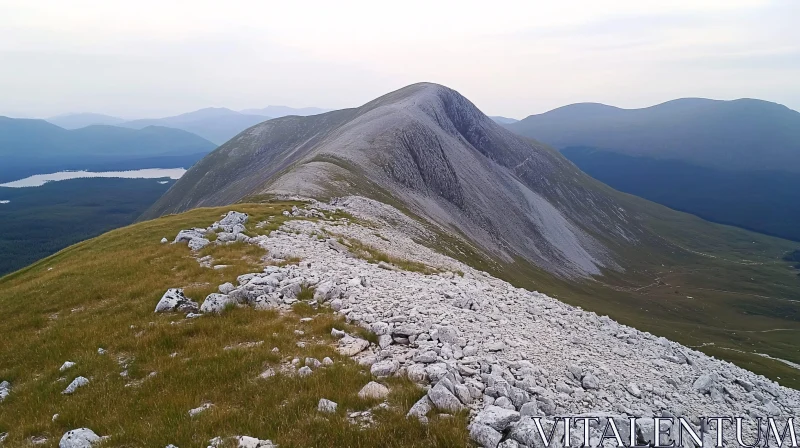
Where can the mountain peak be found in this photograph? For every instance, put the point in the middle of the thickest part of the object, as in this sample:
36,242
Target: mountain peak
429,148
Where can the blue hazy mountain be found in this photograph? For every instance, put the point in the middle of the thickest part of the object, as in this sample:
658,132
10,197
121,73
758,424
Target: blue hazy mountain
216,124
735,162
35,146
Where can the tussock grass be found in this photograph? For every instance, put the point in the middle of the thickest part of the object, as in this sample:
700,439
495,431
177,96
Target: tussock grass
102,292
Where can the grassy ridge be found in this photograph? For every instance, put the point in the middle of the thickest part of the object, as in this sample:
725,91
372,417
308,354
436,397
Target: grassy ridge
102,292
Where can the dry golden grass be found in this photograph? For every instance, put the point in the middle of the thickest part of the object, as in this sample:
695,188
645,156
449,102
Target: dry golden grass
102,292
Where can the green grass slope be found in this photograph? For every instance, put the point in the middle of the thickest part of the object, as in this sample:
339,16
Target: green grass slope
102,292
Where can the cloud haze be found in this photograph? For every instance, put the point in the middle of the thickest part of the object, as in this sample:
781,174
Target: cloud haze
154,58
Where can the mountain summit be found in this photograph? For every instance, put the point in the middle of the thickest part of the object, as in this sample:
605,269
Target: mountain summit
432,151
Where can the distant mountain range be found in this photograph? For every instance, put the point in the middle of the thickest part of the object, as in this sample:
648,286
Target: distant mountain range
216,124
35,146
77,121
734,162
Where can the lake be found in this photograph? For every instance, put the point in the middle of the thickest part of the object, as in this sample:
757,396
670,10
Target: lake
149,173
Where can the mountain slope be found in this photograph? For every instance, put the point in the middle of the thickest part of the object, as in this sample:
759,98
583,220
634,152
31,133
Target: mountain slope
215,124
763,201
76,121
36,146
431,150
743,134
721,160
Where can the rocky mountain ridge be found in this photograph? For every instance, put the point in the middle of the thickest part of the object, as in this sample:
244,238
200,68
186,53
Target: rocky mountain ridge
429,150
476,343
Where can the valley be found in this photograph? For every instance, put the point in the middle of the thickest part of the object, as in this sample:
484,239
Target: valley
40,221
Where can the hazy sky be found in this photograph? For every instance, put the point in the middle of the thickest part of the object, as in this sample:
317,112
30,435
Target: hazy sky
145,58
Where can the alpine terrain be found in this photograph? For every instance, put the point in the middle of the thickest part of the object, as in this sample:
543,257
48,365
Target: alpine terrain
407,273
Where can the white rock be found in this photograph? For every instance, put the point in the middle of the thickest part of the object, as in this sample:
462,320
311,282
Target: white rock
384,368
200,409
252,442
79,438
350,346
484,435
75,384
5,390
164,241
373,390
67,365
216,303
326,406
421,409
443,399
198,243
175,300
497,418
304,371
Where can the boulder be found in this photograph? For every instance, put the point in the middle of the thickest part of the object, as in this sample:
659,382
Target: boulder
426,357
79,438
326,406
484,435
703,384
175,301
634,390
380,328
420,409
350,346
198,243
373,390
216,303
528,408
184,236
66,366
590,382
232,218
443,399
75,384
384,368
497,418
416,373
226,288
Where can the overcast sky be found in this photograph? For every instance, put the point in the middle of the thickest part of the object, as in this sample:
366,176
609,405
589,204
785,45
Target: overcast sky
148,58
